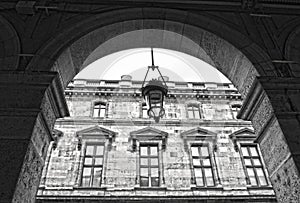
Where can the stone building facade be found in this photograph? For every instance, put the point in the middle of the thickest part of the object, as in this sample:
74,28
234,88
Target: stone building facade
109,150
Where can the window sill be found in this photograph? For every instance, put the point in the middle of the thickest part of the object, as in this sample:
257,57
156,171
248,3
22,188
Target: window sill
207,188
250,187
90,188
150,188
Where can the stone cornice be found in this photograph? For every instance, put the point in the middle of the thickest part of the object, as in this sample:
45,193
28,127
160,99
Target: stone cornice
147,122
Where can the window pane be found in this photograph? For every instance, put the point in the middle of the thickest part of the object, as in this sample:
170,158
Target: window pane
154,162
245,151
261,176
99,150
248,162
145,115
197,114
144,161
253,151
251,176
154,172
86,172
196,162
198,172
96,113
198,177
208,172
144,151
97,177
191,114
144,181
88,161
195,151
144,172
153,151
206,162
154,181
89,150
204,151
210,181
102,113
85,181
98,161
256,162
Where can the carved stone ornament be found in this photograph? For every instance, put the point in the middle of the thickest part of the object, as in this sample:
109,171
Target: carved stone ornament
244,134
97,133
199,134
148,134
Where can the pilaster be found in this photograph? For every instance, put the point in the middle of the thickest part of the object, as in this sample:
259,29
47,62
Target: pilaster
30,104
273,106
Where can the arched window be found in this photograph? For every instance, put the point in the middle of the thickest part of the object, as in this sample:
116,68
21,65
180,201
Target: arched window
99,110
193,111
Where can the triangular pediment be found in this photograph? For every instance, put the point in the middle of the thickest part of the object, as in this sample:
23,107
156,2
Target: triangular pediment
198,133
244,133
149,131
96,131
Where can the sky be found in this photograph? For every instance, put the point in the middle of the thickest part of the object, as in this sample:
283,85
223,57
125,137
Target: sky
176,65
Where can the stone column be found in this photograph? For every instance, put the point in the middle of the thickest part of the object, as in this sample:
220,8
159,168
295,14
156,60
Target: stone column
30,104
273,106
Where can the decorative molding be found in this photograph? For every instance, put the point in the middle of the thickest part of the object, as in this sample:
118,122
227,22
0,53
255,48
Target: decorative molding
148,134
199,134
95,132
244,134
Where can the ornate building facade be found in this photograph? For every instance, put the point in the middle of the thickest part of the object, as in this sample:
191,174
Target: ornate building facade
109,150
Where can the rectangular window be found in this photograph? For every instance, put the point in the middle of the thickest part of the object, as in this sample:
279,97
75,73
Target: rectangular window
144,111
92,165
149,166
99,110
201,159
254,168
193,112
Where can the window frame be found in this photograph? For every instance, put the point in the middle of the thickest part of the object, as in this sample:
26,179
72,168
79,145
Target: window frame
92,166
202,166
253,166
101,104
195,108
149,166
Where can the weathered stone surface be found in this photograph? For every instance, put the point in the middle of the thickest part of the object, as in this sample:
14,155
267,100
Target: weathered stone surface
121,163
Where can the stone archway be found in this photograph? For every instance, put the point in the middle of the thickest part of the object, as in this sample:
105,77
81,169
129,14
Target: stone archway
229,52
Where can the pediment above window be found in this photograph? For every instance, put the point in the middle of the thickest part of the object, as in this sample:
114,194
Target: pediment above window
242,135
96,133
198,134
148,134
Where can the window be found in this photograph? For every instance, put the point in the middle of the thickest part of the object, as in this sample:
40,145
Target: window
235,109
149,165
254,169
92,165
202,165
193,111
99,110
144,111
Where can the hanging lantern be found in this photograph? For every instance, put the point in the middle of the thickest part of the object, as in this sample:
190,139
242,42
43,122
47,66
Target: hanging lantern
154,93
